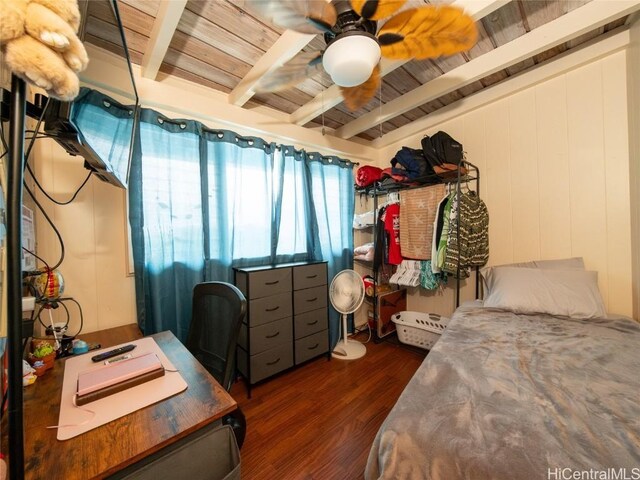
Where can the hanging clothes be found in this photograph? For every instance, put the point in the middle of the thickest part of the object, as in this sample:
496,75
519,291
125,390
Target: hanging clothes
380,241
428,279
471,248
444,236
437,232
476,227
392,229
417,212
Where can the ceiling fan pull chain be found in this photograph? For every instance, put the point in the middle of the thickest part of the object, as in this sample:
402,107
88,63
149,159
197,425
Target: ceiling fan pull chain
322,98
380,105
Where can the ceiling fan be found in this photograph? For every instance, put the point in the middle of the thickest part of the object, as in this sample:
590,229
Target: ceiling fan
355,43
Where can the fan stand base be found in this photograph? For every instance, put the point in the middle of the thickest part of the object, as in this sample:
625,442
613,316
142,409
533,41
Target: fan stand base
349,350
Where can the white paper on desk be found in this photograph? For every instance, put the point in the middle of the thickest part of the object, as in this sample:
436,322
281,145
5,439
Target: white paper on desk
119,404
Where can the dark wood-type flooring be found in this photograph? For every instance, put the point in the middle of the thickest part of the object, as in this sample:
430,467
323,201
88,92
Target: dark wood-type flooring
318,421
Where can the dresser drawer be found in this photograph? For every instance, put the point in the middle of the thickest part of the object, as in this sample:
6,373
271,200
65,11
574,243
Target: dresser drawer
267,363
309,299
311,322
268,309
269,335
309,276
269,282
312,346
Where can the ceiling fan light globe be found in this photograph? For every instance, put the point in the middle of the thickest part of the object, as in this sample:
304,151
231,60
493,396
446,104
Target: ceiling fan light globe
350,60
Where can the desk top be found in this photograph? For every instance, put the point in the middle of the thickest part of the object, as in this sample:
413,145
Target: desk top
124,441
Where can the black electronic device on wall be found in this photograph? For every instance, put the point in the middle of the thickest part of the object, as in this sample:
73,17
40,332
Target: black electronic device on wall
75,124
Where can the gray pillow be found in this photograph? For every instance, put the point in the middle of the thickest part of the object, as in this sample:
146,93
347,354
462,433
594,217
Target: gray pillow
575,263
566,293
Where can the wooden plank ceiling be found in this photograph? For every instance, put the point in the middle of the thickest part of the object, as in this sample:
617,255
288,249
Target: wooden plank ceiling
217,42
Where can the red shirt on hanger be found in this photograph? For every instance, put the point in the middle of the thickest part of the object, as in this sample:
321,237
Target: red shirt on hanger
392,227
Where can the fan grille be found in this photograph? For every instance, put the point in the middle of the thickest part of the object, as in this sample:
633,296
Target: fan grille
347,291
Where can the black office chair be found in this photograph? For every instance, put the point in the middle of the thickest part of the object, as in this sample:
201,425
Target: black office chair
218,311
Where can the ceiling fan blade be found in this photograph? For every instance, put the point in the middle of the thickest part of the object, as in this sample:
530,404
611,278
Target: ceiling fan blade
357,97
299,68
427,32
376,9
304,16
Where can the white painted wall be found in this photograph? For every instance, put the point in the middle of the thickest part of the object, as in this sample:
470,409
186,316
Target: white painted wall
633,84
554,163
93,230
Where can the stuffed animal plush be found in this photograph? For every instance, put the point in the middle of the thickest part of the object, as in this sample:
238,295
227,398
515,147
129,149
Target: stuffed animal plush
40,45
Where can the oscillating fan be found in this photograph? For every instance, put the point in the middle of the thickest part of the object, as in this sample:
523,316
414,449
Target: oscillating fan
347,293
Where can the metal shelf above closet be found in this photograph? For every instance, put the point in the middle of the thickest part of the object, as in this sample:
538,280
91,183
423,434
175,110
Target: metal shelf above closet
472,175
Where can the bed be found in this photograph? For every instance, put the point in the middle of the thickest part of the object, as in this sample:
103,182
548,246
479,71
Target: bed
506,395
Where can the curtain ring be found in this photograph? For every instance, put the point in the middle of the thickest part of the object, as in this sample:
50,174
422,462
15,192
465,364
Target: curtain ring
183,126
160,121
220,135
311,156
106,104
130,112
250,142
331,160
237,139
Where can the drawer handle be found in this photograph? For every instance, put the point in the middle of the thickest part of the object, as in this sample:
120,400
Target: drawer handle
271,309
312,276
312,299
314,347
312,323
273,336
274,362
272,283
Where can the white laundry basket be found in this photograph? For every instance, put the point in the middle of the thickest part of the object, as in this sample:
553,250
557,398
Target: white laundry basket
419,329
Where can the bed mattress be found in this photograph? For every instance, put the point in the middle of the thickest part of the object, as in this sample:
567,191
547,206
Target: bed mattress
506,396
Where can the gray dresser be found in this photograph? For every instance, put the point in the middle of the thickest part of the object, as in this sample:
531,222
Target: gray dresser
287,317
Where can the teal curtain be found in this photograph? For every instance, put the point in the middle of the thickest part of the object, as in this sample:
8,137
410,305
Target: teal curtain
204,201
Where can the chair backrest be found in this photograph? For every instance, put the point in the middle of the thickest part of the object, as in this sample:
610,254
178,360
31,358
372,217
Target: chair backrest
218,311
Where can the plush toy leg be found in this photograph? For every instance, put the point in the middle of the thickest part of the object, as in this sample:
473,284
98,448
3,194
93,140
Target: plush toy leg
37,63
12,19
67,10
44,25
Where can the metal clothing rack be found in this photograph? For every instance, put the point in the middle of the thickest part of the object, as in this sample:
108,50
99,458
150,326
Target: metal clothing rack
15,168
472,175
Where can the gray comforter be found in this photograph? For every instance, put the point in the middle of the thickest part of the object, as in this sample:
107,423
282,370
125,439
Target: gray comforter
506,396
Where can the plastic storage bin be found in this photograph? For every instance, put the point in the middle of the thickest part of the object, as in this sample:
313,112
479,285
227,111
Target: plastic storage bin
419,329
211,453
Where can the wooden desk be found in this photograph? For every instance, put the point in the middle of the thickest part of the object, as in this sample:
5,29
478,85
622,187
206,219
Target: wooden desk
111,447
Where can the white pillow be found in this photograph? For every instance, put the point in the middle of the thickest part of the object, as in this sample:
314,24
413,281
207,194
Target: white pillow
566,293
575,263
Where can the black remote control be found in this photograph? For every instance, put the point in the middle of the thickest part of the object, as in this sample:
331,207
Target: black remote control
112,353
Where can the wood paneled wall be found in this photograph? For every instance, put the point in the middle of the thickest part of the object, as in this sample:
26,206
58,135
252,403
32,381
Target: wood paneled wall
95,267
554,163
633,85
